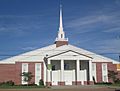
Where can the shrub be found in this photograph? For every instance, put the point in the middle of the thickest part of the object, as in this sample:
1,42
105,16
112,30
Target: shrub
27,76
41,82
7,83
112,75
117,81
94,80
104,83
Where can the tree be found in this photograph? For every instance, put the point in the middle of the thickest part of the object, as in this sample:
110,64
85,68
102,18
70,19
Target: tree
27,76
112,75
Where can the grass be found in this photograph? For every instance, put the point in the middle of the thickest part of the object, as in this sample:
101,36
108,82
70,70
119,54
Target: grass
109,85
21,87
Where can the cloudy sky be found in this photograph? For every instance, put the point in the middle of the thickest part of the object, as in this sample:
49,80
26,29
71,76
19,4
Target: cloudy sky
26,25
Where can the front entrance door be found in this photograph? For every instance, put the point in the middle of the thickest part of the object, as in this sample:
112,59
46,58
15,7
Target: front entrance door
69,76
55,77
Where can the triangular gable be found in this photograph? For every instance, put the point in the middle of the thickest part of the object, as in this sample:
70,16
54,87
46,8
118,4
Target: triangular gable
70,54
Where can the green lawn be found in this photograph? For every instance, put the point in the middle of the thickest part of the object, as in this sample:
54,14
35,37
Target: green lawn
20,87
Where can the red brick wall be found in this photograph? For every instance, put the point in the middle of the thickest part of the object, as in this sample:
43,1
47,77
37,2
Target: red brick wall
7,72
31,68
60,43
13,71
18,71
110,66
99,72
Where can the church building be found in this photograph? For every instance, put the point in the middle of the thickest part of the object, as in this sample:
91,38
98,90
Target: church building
58,64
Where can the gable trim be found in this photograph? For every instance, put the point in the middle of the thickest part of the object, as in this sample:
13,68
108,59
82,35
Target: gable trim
71,51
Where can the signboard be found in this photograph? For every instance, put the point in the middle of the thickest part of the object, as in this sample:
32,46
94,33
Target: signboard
118,66
49,66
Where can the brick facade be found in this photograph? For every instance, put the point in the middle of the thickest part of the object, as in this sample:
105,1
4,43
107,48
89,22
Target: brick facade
60,43
110,66
13,71
61,83
76,82
7,72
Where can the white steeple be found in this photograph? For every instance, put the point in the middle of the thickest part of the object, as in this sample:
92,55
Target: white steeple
61,33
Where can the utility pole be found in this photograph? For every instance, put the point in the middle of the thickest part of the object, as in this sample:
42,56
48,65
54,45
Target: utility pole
119,51
119,58
118,38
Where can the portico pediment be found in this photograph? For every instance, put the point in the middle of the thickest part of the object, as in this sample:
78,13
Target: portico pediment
70,54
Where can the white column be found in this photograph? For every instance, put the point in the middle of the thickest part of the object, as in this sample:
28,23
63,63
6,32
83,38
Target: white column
90,70
78,69
49,71
45,73
62,70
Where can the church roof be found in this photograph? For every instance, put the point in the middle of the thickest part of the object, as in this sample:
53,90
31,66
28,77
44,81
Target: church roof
51,50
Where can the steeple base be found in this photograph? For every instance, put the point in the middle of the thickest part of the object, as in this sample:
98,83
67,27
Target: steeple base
61,43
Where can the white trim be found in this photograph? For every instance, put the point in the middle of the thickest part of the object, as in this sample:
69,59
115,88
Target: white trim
78,69
90,70
37,73
48,71
45,73
104,72
24,69
62,70
94,71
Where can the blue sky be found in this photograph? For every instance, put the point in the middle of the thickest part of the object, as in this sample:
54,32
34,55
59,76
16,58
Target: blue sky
30,24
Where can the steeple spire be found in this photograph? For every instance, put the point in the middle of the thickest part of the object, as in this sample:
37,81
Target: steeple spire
61,23
61,34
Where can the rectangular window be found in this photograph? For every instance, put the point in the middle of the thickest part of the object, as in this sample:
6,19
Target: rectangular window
66,66
37,73
94,71
104,72
53,67
24,69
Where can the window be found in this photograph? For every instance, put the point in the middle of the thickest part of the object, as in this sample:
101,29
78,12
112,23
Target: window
94,71
38,69
53,67
61,35
104,72
93,66
104,67
66,66
24,67
105,78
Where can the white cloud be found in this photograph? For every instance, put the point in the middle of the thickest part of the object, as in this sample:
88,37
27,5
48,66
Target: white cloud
114,29
108,46
107,22
28,48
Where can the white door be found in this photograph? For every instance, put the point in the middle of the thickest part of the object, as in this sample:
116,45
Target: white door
69,76
55,77
82,76
68,80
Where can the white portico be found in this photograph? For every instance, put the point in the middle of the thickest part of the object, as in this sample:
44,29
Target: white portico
69,68
66,66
